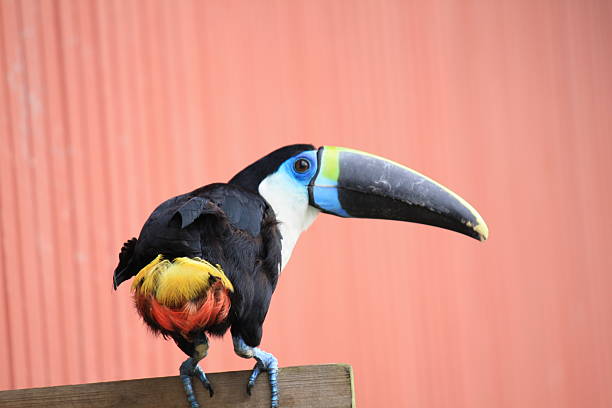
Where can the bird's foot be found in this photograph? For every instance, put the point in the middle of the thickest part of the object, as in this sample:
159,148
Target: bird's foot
202,376
189,369
265,362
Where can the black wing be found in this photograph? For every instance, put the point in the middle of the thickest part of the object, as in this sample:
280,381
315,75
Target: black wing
224,224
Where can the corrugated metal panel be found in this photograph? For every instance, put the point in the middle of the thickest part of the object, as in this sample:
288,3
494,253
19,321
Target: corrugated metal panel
109,107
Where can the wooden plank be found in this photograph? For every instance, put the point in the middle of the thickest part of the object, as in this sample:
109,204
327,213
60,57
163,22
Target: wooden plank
300,387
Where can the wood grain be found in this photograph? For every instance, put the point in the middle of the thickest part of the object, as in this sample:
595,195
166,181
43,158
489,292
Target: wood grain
300,387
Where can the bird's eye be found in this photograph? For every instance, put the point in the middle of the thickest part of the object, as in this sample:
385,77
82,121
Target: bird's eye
301,165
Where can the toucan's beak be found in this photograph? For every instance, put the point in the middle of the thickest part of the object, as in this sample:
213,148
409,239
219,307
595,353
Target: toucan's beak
350,183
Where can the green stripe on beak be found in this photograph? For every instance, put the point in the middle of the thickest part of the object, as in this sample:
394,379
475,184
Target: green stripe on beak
350,183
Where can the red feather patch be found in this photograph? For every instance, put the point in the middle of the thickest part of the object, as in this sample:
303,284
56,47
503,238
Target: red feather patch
211,309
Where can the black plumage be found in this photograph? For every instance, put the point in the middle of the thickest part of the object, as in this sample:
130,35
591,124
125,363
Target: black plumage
227,224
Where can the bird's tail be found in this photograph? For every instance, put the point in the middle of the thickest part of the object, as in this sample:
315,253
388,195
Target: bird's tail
182,295
124,270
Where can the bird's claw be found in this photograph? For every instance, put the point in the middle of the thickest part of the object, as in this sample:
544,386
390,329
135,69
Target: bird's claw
265,362
193,402
253,377
271,366
189,369
202,377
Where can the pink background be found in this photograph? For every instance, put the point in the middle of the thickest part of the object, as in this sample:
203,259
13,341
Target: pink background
109,107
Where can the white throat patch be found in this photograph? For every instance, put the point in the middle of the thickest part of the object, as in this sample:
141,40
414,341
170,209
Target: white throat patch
290,204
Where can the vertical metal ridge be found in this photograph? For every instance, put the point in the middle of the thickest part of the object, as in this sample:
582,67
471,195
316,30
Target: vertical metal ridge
95,179
7,376
18,299
73,310
38,297
124,160
108,139
59,369
86,255
5,122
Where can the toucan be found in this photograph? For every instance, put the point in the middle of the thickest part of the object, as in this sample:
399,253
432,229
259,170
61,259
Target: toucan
209,260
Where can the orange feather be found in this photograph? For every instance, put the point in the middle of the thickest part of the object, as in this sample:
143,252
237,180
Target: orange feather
211,309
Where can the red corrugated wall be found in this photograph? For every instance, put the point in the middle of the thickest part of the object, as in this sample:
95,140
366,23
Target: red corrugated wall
108,107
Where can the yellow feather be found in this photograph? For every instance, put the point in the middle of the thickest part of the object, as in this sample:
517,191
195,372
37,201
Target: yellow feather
186,279
144,273
174,283
150,282
183,281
